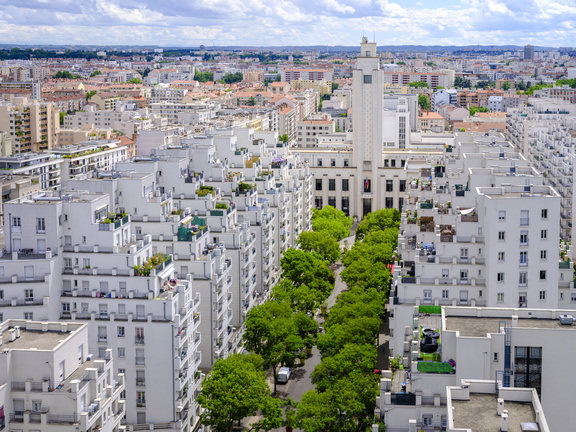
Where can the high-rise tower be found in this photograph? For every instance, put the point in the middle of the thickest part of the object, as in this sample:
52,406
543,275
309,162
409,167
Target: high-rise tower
368,108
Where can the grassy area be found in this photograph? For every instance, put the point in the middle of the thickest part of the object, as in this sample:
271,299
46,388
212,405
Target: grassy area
434,367
437,310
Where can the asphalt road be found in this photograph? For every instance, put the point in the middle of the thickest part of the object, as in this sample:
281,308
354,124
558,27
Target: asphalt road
301,380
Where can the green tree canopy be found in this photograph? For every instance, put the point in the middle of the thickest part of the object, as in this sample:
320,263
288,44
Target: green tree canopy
135,81
483,84
333,221
418,84
424,102
378,220
236,388
301,298
360,330
251,101
474,109
203,76
460,82
231,78
284,138
326,246
96,72
90,94
65,75
307,268
272,333
506,86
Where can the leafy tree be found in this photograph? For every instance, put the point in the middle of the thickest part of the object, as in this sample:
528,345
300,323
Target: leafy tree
333,221
334,86
326,246
65,75
90,94
360,330
236,388
301,298
533,88
521,85
325,96
352,358
284,138
96,72
203,76
568,82
231,78
367,274
474,109
460,82
424,102
62,115
251,101
135,81
483,84
378,220
271,332
348,406
307,268
506,86
146,72
418,84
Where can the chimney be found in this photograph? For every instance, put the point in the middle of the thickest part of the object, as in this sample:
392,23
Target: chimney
17,328
500,406
12,334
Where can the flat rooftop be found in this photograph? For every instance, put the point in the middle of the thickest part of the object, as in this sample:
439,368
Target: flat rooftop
41,340
480,327
480,414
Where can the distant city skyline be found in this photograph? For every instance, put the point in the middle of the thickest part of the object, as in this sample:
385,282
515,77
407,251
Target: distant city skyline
288,22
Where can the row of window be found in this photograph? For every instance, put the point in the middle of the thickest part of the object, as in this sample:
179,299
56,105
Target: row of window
523,296
332,162
523,256
524,215
523,236
346,185
40,224
522,278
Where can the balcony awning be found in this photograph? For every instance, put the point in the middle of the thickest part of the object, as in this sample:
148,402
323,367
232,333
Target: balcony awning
468,211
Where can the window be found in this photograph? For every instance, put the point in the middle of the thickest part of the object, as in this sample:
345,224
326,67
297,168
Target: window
121,352
367,185
319,162
331,184
345,184
500,297
102,335
445,273
445,294
333,162
120,331
402,186
573,297
464,275
523,258
501,256
502,215
389,186
367,79
318,202
524,218
427,296
16,221
544,234
523,238
464,254
544,213
29,295
346,162
543,254
495,357
40,225
139,336
121,370
523,278
542,274
501,235
140,399
332,201
318,184
542,295
500,277
528,367
28,315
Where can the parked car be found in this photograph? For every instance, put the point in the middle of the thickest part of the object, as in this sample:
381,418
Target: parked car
283,375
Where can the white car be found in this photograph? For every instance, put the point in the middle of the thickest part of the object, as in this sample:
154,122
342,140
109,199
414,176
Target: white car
283,375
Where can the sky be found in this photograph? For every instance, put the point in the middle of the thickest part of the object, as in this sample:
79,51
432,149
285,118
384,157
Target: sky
288,22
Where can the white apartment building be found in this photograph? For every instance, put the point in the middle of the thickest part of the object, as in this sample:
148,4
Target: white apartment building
516,347
310,130
127,122
50,382
475,231
108,279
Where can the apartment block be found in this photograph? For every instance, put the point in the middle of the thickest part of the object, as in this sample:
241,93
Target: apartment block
50,382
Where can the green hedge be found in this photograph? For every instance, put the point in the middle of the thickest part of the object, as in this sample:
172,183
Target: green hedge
430,309
433,367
